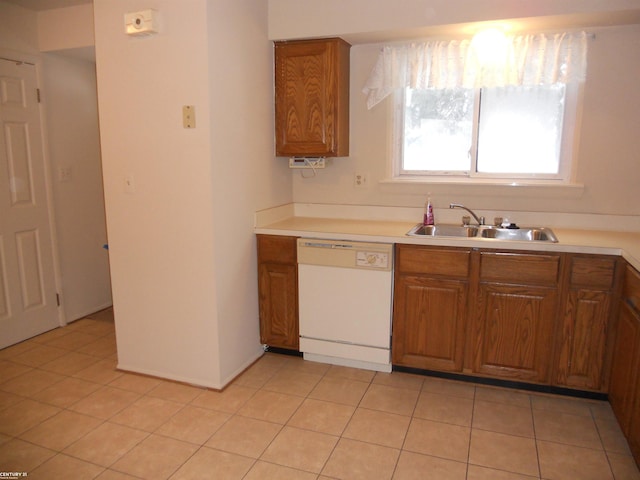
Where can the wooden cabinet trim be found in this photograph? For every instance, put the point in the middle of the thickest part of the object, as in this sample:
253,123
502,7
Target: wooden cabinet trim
631,292
519,268
592,271
277,249
425,260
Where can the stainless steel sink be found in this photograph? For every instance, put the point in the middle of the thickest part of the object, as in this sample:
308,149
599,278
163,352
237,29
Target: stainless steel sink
527,234
421,230
539,234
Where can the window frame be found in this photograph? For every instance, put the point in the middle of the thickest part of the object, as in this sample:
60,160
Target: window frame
568,148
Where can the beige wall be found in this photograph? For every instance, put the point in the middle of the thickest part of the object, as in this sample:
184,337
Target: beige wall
608,140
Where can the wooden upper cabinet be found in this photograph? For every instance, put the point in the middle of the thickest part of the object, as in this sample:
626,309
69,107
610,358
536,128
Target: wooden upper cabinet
312,98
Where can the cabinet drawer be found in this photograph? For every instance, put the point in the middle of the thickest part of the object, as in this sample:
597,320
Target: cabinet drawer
519,268
631,292
432,261
593,272
277,249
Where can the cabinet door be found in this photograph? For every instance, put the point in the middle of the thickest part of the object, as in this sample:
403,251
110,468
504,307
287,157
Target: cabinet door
583,339
278,292
312,98
429,323
624,368
633,434
513,331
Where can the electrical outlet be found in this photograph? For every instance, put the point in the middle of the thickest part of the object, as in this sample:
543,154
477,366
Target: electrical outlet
360,180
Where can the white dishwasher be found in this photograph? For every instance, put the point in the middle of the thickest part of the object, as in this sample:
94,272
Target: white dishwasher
345,291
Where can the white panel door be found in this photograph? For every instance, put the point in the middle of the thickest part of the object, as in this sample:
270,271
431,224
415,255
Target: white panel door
28,304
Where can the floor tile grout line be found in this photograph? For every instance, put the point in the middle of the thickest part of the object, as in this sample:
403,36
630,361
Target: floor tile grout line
604,448
406,433
535,436
338,437
473,410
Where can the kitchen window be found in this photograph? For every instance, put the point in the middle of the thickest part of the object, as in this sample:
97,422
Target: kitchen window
494,108
500,133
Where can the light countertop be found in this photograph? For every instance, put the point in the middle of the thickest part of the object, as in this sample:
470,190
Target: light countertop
576,241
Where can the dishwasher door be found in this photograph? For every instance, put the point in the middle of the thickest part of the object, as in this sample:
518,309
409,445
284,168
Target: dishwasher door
345,299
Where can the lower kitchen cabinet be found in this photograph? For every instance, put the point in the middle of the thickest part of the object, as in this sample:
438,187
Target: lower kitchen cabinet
631,299
535,317
515,315
430,307
624,387
584,348
278,291
633,431
513,327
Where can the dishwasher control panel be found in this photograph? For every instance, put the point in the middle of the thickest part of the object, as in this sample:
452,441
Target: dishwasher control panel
346,254
372,259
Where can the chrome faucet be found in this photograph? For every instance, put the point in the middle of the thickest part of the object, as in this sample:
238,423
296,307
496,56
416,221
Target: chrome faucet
480,219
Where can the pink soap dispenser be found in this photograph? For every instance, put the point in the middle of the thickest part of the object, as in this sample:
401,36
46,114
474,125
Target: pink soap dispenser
428,212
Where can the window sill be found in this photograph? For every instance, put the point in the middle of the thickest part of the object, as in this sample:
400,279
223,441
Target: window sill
490,187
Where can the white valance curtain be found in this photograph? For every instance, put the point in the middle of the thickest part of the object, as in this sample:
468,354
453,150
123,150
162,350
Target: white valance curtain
520,60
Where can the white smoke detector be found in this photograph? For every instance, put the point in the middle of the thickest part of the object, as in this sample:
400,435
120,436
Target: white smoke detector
141,23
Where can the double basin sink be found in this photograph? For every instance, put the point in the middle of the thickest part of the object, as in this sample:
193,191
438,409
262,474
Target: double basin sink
527,234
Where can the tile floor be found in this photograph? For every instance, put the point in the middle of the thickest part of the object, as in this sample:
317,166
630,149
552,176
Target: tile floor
65,412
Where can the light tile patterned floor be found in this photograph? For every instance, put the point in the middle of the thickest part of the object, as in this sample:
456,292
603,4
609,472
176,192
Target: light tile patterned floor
66,412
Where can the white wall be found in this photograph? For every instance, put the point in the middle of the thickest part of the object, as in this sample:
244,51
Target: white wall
161,235
247,176
182,247
69,100
607,151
